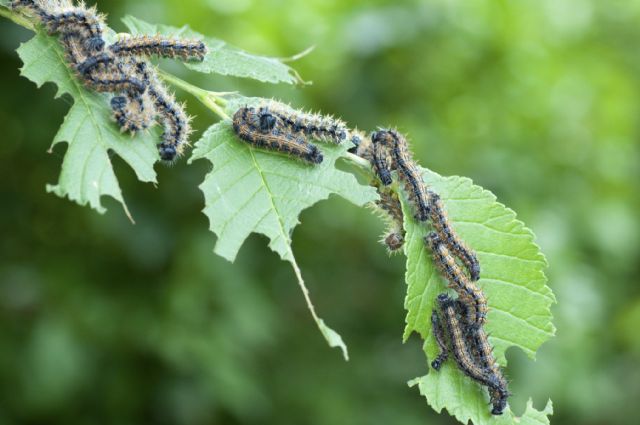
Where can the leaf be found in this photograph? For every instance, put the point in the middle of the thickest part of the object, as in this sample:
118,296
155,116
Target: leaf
222,58
512,278
254,191
87,173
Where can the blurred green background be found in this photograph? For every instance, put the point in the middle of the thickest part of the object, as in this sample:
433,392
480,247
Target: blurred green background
538,101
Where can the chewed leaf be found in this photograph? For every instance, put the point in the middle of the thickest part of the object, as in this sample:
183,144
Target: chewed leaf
512,278
251,190
87,173
254,191
222,58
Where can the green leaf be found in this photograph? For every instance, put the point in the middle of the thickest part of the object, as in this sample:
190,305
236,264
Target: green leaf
254,191
512,278
87,172
222,58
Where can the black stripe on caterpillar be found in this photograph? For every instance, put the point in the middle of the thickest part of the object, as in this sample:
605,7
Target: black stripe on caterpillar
160,46
258,129
314,126
449,237
468,292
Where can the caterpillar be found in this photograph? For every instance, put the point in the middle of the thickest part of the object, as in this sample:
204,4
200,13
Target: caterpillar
261,130
464,359
313,126
402,161
175,122
438,334
483,352
472,296
381,159
160,46
390,209
448,236
61,17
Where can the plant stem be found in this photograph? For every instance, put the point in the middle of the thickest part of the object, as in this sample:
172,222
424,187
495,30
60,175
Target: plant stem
212,100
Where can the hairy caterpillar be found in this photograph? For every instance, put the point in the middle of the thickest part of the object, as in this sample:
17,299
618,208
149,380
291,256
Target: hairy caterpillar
60,17
160,46
438,334
175,122
402,161
483,352
448,236
261,130
455,331
391,211
313,126
381,158
458,343
471,295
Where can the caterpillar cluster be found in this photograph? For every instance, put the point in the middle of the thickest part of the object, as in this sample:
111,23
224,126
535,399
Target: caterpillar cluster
459,328
140,99
277,127
470,349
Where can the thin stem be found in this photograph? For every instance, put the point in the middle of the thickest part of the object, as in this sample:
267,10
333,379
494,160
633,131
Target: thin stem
17,18
212,100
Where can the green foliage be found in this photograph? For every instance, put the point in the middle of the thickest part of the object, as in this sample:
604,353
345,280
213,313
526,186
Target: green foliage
87,172
512,278
222,58
253,191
